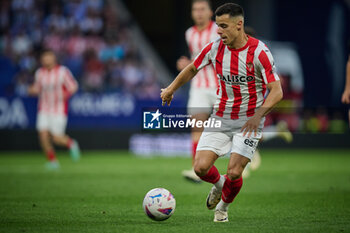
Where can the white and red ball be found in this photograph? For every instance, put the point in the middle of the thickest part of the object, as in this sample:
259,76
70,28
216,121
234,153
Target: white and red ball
159,204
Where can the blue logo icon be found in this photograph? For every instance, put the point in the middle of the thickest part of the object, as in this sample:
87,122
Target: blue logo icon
151,120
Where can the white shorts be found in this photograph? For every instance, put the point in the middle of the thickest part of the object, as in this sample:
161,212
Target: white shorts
201,100
55,124
232,140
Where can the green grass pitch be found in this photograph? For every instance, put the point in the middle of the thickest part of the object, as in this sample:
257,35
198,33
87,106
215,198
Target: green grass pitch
293,191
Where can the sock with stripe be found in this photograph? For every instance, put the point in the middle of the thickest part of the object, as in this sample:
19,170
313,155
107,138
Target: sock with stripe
213,175
229,191
51,155
70,143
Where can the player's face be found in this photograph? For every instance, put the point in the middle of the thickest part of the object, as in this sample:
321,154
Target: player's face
48,60
229,28
201,13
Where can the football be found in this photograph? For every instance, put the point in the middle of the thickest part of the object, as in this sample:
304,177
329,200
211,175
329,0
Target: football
159,204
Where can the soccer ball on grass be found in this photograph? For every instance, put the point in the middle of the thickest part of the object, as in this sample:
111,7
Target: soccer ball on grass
159,204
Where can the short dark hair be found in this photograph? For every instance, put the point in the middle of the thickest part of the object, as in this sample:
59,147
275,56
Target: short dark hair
207,1
229,8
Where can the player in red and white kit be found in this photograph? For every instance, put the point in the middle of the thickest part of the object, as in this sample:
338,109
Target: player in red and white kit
54,84
245,69
202,93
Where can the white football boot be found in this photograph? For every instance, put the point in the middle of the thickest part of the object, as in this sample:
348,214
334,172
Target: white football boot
220,216
213,198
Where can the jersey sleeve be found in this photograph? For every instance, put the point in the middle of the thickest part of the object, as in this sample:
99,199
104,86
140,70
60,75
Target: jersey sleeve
267,66
69,81
203,58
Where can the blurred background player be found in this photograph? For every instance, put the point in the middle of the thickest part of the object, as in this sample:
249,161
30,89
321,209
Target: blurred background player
54,84
203,88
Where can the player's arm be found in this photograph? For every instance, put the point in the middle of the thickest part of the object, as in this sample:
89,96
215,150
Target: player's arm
267,68
70,84
187,74
346,94
34,89
275,95
183,77
73,89
182,62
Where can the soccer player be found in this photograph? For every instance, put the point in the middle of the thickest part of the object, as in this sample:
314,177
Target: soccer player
203,87
54,84
245,69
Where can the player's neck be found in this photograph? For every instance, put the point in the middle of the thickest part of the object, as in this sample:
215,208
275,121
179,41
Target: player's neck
201,27
239,42
51,66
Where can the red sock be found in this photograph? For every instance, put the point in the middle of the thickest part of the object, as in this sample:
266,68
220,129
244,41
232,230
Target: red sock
231,189
212,176
70,143
194,148
51,155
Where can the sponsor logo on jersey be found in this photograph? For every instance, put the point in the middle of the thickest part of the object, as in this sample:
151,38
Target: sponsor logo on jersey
236,79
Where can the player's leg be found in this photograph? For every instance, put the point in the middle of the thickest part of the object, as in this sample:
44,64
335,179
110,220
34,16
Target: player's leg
45,143
206,170
42,125
204,166
57,129
255,163
243,149
211,146
195,135
232,185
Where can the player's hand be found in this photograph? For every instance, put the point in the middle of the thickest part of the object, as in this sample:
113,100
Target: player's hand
251,126
346,97
182,62
33,90
167,96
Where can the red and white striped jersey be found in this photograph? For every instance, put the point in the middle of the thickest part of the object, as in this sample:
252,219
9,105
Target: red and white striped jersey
54,86
242,73
196,40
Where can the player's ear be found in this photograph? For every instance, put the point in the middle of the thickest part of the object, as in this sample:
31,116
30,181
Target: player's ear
211,14
240,24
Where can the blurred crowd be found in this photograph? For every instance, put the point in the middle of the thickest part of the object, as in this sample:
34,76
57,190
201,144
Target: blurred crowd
87,36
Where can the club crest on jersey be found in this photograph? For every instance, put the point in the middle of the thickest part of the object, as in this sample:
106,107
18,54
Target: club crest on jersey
250,66
236,79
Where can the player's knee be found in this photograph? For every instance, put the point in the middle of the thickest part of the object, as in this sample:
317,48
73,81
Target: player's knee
56,139
43,134
234,173
200,170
